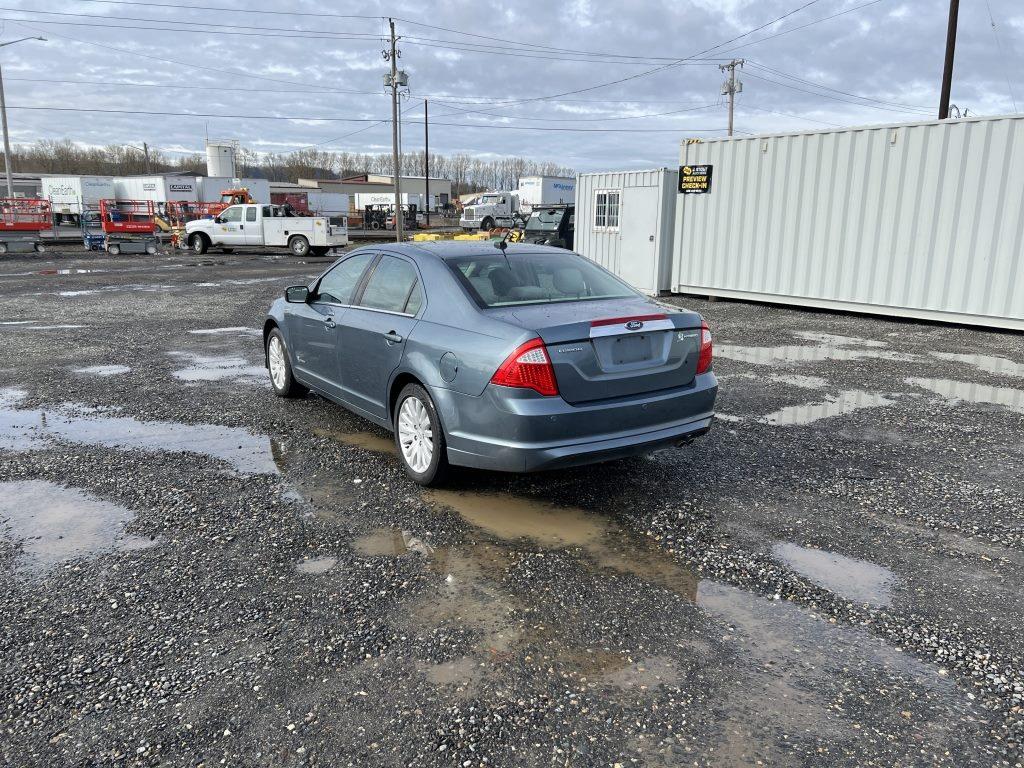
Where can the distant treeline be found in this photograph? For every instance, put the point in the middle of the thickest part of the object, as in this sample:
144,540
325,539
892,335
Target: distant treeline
468,174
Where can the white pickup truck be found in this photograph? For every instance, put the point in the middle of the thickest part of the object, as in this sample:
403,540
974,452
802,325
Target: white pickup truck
267,226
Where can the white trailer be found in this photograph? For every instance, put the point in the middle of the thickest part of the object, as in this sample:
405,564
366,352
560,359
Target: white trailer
625,222
69,195
330,204
159,189
209,188
364,199
545,190
920,220
265,226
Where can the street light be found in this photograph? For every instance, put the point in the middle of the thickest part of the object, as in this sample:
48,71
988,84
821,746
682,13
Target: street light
3,118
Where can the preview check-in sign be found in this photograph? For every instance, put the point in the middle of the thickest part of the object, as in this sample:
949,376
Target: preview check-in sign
695,179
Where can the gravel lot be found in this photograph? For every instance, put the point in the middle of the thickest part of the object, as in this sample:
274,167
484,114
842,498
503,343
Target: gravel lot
195,572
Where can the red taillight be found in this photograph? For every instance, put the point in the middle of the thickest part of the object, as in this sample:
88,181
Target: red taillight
529,367
704,361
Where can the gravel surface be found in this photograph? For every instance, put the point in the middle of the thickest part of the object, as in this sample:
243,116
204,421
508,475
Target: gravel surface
195,572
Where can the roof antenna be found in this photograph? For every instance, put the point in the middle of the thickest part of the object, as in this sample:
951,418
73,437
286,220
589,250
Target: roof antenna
502,245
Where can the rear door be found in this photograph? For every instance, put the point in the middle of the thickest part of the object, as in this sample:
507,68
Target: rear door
374,332
251,224
313,327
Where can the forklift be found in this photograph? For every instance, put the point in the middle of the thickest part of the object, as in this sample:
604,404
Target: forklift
375,216
410,217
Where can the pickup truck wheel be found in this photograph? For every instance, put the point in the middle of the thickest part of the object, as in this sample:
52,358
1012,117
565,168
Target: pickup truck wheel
298,245
487,224
198,244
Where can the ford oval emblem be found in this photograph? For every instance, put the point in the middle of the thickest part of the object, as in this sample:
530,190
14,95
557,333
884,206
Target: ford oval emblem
634,325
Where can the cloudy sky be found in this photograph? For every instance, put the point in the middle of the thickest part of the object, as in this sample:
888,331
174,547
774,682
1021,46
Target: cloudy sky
583,83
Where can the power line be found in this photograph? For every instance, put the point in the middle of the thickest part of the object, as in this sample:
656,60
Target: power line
834,98
450,105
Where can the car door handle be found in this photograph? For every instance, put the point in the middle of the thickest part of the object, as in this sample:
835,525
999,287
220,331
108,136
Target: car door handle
393,337
329,321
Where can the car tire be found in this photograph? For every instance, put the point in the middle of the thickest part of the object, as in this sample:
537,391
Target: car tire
280,368
419,437
197,243
298,246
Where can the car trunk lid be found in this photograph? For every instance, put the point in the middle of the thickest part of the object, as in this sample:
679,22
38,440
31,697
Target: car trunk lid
617,348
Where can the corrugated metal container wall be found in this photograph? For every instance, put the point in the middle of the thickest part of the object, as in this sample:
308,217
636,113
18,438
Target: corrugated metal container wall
920,220
639,247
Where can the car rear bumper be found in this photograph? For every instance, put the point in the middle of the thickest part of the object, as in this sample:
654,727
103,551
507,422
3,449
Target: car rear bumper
519,431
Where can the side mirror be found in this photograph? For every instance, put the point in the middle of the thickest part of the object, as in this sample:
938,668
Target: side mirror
296,294
218,220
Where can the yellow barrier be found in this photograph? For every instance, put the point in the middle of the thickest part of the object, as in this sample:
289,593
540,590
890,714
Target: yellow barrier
475,236
430,237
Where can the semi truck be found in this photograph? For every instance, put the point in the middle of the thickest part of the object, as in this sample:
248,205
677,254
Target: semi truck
502,209
493,209
265,226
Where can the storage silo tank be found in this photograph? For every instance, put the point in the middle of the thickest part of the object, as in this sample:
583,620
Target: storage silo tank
220,158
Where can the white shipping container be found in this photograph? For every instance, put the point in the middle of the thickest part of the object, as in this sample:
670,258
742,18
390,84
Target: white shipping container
67,194
159,189
364,199
328,203
625,222
209,188
546,190
921,220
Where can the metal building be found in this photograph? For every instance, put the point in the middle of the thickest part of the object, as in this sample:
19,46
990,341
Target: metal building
624,222
921,220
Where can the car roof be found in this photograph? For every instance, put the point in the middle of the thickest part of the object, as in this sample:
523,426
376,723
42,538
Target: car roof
450,249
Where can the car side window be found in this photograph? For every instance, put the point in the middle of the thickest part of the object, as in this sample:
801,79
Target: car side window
338,285
250,213
389,286
415,301
231,214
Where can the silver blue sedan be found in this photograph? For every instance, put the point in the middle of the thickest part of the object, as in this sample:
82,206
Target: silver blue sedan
521,359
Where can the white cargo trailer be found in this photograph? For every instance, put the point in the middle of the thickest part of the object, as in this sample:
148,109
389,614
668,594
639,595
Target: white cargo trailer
546,190
625,221
159,189
921,220
209,188
327,203
364,199
69,194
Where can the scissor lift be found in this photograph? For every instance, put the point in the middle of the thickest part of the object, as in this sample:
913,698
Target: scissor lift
129,226
22,222
180,213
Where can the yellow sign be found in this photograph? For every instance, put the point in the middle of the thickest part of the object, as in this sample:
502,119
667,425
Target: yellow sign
695,179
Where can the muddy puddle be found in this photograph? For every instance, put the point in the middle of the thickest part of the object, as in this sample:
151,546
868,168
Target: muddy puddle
201,368
103,370
378,442
27,429
832,406
52,525
956,392
853,579
823,346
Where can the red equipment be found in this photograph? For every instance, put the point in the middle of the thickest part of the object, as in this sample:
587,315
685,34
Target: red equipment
180,212
128,216
21,214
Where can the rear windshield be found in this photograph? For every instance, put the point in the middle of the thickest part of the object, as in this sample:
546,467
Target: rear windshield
535,278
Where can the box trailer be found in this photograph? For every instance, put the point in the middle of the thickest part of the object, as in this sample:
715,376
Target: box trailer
546,190
330,204
920,220
625,222
70,195
210,188
364,199
158,189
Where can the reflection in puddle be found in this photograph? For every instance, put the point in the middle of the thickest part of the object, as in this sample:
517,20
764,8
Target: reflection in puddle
369,441
828,347
203,368
31,428
391,542
796,380
808,413
1000,366
53,524
850,578
963,391
317,565
237,330
103,370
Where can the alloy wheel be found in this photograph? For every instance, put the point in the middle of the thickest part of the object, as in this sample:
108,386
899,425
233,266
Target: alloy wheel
415,434
275,355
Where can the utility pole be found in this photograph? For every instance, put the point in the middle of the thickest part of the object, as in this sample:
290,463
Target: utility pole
426,160
145,151
731,87
947,70
399,217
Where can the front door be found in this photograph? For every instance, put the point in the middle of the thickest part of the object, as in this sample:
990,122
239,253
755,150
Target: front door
375,331
229,226
314,328
639,236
